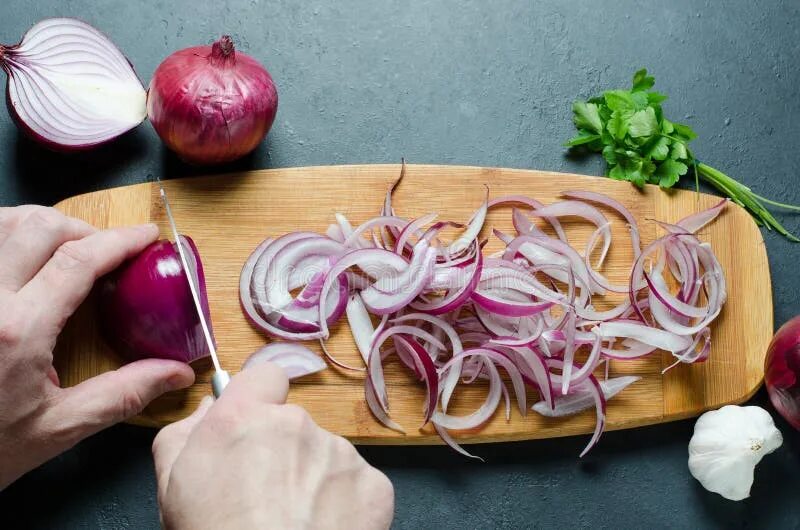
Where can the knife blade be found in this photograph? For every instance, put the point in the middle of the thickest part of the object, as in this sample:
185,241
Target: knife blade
220,378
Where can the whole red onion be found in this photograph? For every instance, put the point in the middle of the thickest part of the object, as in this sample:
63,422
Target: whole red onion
211,104
782,371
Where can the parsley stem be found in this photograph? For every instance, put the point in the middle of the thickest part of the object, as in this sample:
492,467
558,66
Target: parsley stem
779,204
743,196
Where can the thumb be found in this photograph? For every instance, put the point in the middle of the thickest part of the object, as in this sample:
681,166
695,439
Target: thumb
257,383
170,441
111,397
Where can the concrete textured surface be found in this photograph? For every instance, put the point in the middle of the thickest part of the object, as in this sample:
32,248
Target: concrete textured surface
467,82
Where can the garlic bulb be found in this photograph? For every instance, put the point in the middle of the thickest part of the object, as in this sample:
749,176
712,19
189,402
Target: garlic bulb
726,446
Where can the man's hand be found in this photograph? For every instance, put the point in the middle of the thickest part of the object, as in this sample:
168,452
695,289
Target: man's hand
48,264
249,461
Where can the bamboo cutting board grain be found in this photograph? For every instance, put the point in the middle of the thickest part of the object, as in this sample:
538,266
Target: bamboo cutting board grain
229,215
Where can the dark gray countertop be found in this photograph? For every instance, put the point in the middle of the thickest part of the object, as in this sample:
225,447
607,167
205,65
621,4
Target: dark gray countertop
467,82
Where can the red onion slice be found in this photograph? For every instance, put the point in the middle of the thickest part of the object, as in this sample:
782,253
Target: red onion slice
695,222
614,205
582,399
360,325
533,204
657,338
482,414
584,211
295,360
473,229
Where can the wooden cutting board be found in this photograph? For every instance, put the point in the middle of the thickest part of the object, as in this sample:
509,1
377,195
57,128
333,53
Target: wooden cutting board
228,215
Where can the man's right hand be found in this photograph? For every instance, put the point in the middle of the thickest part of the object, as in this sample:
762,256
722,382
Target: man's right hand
250,461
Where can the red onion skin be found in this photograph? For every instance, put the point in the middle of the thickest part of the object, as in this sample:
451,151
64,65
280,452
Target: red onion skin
782,371
146,307
211,104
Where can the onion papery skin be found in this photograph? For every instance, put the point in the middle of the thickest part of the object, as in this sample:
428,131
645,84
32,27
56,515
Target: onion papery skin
211,104
146,306
782,371
69,87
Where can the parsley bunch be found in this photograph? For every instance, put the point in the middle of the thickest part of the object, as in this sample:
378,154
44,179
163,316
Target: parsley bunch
642,146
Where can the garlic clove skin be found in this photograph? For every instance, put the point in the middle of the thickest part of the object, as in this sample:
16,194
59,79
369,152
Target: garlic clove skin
726,446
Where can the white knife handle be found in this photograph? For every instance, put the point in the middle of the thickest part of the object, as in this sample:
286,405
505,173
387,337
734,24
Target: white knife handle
219,381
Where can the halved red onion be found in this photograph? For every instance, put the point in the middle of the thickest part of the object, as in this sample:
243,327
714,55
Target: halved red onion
69,87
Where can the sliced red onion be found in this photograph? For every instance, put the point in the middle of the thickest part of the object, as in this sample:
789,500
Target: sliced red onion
296,360
360,325
473,229
529,312
482,414
580,400
446,438
523,225
533,204
659,289
380,414
374,367
658,338
614,205
412,229
69,87
585,211
286,259
696,221
496,304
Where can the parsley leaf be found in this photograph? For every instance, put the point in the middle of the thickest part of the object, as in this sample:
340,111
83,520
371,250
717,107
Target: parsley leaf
587,117
669,172
684,131
641,146
643,123
642,81
659,148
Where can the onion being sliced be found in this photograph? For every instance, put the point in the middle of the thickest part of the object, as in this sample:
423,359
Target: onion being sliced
147,309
